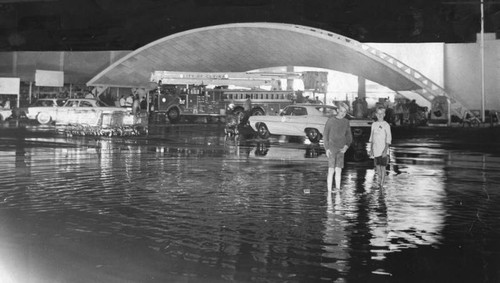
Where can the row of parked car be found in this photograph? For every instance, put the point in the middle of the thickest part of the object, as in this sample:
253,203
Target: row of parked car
295,120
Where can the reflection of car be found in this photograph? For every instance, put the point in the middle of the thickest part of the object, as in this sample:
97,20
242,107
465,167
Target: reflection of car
299,120
42,108
266,151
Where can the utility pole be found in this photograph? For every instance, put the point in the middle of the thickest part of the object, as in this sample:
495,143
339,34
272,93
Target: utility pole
482,62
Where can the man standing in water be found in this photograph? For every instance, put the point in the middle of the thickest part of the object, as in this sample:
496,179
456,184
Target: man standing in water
380,139
337,138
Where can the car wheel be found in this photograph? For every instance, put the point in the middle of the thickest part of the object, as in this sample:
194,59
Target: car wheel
257,112
313,135
43,118
262,131
173,115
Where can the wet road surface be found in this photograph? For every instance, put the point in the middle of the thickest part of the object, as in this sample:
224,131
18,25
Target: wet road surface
186,204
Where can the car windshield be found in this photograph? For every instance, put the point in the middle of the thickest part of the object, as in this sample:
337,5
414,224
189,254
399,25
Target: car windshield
327,110
43,103
101,104
71,103
85,103
294,111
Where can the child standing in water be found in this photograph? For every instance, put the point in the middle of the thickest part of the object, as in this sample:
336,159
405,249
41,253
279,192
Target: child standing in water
380,139
337,139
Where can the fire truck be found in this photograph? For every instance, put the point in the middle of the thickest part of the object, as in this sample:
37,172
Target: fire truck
185,94
197,101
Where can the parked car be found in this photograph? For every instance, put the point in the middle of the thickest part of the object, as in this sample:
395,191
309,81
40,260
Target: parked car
45,115
79,106
87,103
41,109
300,120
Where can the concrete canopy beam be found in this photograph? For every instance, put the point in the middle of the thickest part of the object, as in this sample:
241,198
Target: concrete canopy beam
248,46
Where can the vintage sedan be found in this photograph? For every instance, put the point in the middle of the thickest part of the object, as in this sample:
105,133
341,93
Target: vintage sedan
300,120
76,106
41,109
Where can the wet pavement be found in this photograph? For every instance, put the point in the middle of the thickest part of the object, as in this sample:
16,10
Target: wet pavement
187,204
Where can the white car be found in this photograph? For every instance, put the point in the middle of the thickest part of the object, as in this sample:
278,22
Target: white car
76,106
42,108
299,120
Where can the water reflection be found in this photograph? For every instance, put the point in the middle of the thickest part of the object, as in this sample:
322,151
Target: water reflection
334,236
264,150
210,207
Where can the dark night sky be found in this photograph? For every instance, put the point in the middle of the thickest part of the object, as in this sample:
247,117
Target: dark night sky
128,24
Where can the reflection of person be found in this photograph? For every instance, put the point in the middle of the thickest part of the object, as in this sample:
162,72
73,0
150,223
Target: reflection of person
337,139
380,139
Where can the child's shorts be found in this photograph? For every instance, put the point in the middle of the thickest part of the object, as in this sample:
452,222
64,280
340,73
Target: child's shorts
336,160
381,161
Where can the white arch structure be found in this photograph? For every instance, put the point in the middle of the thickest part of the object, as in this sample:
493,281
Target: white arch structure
242,47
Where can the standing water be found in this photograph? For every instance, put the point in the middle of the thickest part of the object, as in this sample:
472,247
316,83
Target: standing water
186,204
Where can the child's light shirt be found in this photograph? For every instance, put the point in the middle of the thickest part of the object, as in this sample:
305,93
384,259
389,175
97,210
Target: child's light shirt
380,136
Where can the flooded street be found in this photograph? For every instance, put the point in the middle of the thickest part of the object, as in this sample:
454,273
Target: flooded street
186,204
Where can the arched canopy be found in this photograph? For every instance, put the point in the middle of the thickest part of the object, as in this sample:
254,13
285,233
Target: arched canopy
248,46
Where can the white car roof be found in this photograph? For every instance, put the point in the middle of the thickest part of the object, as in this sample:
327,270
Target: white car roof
313,105
312,108
82,99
